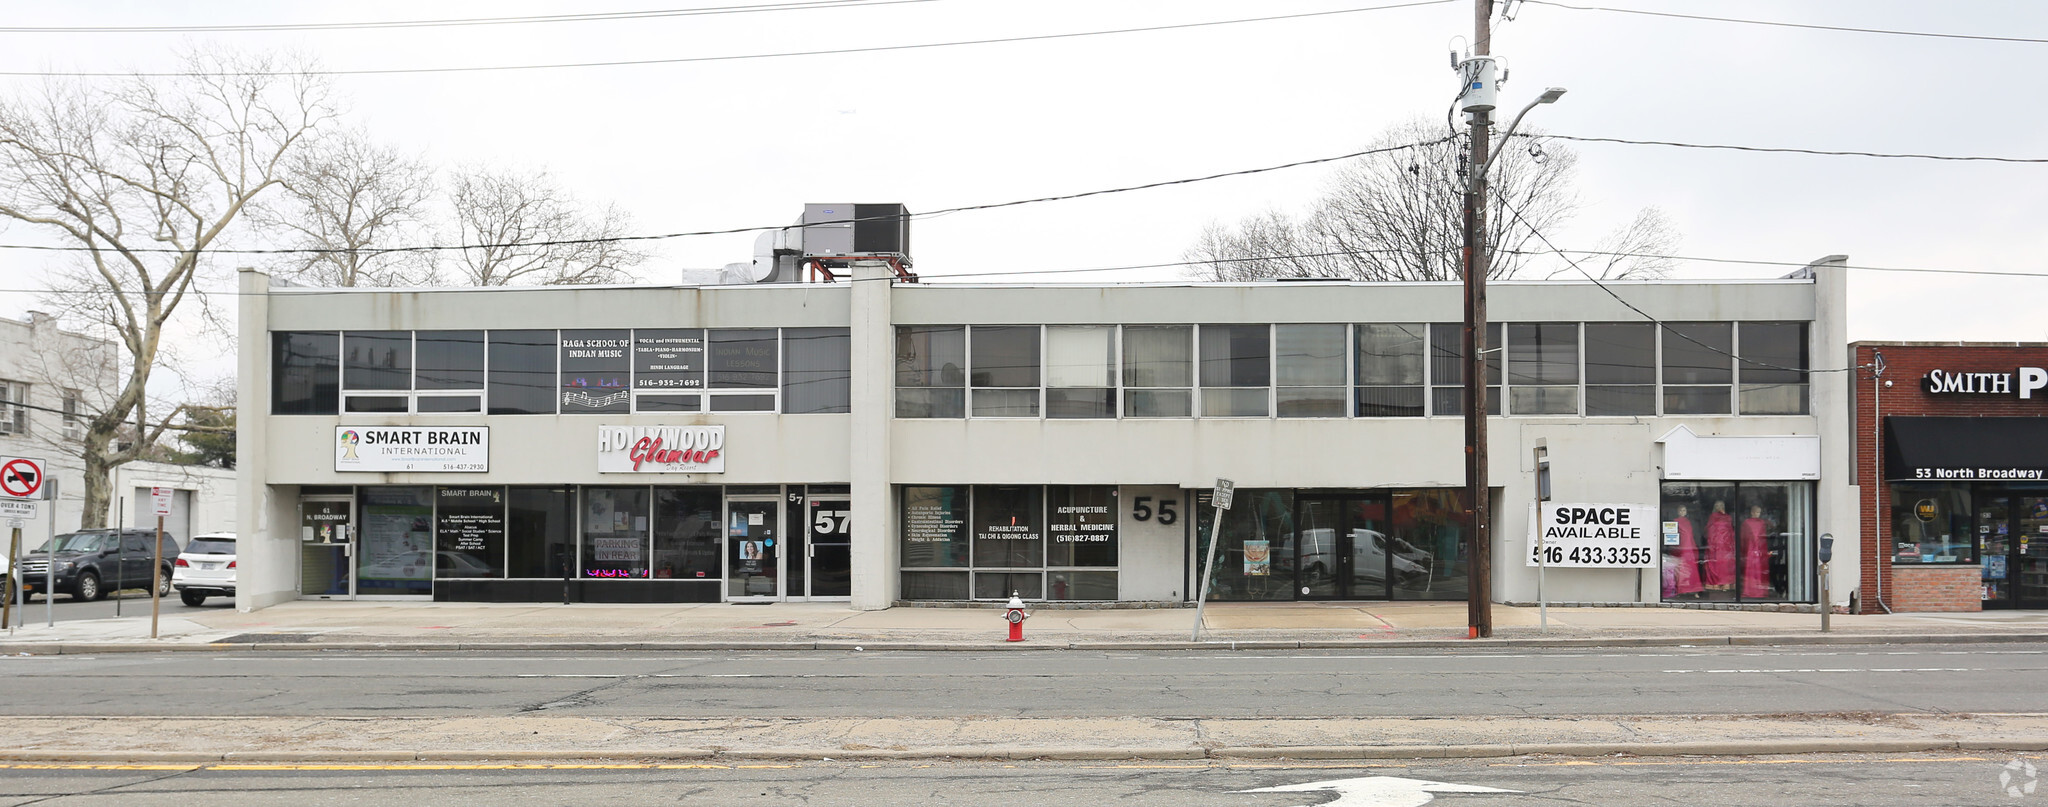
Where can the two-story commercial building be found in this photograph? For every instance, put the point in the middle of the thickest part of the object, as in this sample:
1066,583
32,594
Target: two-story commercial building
878,440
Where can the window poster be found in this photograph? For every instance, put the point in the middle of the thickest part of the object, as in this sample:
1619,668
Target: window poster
1258,558
397,543
596,372
469,532
668,359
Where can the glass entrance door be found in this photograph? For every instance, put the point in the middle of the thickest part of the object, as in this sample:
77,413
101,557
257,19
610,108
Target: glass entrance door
326,548
2029,565
753,550
1341,547
830,529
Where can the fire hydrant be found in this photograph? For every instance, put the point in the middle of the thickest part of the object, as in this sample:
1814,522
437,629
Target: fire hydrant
1016,616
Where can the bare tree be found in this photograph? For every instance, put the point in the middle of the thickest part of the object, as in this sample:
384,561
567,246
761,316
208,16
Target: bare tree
144,177
524,229
343,199
1399,215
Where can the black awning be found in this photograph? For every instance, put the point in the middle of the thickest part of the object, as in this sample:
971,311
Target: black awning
1918,448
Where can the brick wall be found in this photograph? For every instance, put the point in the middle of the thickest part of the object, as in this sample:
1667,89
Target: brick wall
1917,588
1951,588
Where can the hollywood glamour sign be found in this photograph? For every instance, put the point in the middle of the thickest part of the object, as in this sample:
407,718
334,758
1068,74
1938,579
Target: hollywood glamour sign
2030,380
661,449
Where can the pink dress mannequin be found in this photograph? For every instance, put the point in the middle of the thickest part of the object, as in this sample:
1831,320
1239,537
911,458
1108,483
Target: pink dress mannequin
1756,555
1686,579
1720,574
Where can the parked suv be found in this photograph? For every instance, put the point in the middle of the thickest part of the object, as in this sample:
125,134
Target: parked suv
91,563
205,569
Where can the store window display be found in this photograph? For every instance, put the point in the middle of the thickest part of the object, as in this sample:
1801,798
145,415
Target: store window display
1738,541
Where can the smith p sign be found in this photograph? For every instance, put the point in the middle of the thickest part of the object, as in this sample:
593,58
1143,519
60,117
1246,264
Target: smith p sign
2031,380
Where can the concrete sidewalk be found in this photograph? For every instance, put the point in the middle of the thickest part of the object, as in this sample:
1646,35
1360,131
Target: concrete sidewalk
656,739
416,625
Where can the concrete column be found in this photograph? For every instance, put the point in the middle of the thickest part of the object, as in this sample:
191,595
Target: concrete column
1838,508
873,406
266,550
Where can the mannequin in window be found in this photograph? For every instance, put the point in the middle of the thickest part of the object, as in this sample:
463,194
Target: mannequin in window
1685,561
1720,571
1756,554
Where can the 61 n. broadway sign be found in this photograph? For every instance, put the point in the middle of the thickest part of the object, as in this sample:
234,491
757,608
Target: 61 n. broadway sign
443,449
1600,536
2030,380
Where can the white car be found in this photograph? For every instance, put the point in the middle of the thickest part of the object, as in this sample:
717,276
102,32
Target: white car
205,569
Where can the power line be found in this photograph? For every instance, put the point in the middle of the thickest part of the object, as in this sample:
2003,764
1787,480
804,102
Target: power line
1661,325
739,57
1778,24
1751,262
737,230
795,5
1785,150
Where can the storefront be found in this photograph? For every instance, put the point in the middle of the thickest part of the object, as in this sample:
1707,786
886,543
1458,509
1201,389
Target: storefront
882,442
1958,508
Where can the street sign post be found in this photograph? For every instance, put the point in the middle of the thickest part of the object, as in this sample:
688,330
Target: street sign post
160,504
1225,490
21,478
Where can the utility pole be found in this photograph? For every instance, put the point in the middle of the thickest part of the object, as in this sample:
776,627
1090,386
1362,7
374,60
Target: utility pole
1478,75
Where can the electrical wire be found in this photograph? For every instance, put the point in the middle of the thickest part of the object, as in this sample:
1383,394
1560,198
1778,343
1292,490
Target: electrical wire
1661,325
694,59
1784,150
737,230
605,16
1796,264
1775,23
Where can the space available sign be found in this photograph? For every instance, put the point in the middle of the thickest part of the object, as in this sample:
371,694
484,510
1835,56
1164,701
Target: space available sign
424,449
661,449
1601,536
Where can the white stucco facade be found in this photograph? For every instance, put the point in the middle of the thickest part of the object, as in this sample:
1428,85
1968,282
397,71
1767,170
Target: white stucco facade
869,454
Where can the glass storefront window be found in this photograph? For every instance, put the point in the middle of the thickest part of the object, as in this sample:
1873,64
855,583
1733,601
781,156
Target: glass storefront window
1008,526
305,376
1076,586
469,532
934,525
686,532
1930,523
395,544
615,532
540,532
930,585
1255,552
1429,530
1081,525
1737,541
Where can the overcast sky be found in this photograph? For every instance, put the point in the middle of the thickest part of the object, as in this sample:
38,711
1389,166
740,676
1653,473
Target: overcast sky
739,143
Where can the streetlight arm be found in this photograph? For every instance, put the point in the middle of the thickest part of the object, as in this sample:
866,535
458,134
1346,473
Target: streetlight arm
1549,96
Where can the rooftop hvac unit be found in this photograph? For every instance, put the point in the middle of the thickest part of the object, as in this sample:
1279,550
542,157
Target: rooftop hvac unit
855,229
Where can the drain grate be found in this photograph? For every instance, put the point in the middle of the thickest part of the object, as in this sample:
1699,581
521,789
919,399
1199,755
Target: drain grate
268,638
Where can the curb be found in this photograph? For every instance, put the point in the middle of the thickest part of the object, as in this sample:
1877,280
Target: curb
1055,753
1753,640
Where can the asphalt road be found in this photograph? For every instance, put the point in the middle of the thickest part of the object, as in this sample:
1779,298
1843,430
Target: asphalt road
129,603
1822,781
1653,681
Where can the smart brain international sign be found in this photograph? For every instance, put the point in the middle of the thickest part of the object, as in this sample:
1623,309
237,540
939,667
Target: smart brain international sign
1609,536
